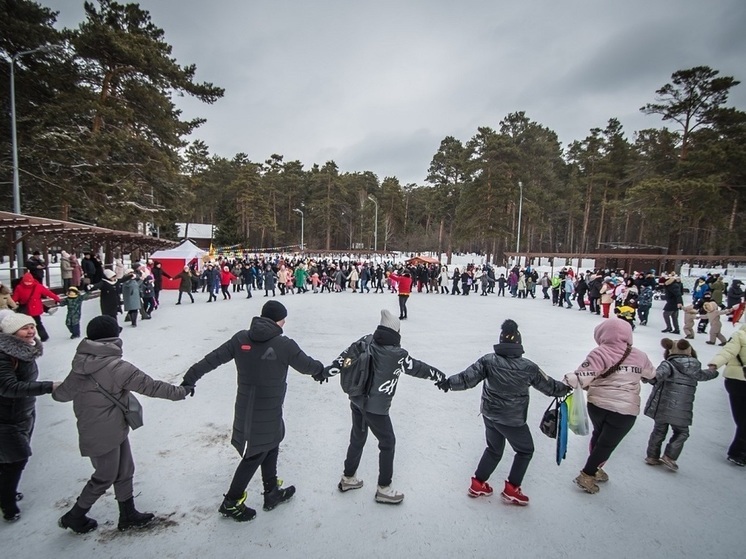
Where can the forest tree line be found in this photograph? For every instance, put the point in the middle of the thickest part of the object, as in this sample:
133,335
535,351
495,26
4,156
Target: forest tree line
102,142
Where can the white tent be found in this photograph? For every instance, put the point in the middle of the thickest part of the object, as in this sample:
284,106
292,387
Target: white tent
174,260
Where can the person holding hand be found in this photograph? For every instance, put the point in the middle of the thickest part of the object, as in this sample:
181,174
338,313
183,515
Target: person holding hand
103,433
505,376
733,356
19,387
262,355
370,410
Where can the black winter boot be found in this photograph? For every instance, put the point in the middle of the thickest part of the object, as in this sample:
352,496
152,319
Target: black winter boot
130,517
236,509
277,495
77,521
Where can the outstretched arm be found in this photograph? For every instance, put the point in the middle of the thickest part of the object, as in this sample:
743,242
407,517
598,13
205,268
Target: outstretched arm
470,377
208,363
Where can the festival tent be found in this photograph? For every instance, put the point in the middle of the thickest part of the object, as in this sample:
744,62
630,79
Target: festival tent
174,260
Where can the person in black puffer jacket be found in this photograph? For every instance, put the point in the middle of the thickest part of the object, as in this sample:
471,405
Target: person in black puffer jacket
671,402
19,349
389,361
674,302
507,377
262,356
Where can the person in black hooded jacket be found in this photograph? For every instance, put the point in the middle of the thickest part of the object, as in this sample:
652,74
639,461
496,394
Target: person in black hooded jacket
389,361
262,355
19,387
507,377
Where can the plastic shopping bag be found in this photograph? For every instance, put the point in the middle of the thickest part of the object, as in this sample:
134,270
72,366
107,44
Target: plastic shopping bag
577,420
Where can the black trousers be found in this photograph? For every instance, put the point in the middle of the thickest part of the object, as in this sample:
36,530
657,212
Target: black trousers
519,438
737,395
10,477
188,294
609,428
248,467
403,306
382,430
43,336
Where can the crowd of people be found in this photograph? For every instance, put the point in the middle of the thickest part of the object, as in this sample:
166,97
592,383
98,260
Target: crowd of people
610,374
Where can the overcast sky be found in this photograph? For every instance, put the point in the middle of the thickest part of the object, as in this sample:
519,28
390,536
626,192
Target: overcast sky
376,85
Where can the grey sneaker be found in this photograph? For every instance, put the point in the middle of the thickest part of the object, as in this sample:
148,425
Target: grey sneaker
669,463
349,483
388,495
653,461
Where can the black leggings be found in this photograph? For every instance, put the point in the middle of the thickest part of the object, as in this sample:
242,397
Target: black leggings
403,306
382,430
247,468
10,476
609,428
737,394
519,438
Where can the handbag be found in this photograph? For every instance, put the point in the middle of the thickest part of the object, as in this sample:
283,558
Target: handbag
132,411
550,420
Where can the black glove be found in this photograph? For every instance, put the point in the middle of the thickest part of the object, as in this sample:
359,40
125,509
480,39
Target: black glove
444,385
320,378
189,389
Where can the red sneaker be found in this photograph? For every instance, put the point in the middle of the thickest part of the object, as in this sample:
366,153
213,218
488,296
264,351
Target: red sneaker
479,488
513,494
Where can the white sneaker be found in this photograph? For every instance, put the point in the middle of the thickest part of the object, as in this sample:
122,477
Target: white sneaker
388,495
349,483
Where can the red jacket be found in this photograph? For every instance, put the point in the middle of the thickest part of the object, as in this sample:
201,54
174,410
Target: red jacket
404,282
226,277
29,292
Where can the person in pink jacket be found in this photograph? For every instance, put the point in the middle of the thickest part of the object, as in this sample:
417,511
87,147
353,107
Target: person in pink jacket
611,374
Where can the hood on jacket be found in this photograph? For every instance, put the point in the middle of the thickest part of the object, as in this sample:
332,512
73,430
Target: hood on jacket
615,333
28,279
383,335
263,329
93,355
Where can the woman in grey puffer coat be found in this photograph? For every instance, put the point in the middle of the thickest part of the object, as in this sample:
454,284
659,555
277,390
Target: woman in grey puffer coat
102,429
671,402
507,377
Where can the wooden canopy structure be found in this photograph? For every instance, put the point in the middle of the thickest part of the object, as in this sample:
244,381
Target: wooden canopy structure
424,260
43,232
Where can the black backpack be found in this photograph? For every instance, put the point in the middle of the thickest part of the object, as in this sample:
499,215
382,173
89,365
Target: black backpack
355,373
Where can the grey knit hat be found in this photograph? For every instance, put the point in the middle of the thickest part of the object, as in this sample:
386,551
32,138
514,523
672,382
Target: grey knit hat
389,320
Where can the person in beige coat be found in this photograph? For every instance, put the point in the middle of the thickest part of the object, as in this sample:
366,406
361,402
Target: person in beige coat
102,430
733,356
713,315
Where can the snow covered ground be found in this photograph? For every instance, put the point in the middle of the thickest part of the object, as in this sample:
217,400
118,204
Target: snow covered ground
185,462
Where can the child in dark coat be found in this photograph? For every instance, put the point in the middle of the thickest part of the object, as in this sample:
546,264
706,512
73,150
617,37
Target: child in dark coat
672,400
74,304
507,377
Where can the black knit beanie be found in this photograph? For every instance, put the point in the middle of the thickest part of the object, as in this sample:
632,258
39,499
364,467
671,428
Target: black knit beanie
509,333
102,327
274,310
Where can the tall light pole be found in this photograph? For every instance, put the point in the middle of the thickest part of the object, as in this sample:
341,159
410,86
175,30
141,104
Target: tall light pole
302,226
14,143
520,212
375,227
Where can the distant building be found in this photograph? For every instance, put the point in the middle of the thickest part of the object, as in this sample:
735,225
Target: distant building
201,234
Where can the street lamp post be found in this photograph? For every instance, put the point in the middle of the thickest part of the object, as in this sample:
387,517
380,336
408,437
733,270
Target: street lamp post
14,143
375,226
302,226
520,212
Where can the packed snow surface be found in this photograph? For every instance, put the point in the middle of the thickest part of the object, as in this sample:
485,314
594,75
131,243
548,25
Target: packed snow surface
185,461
